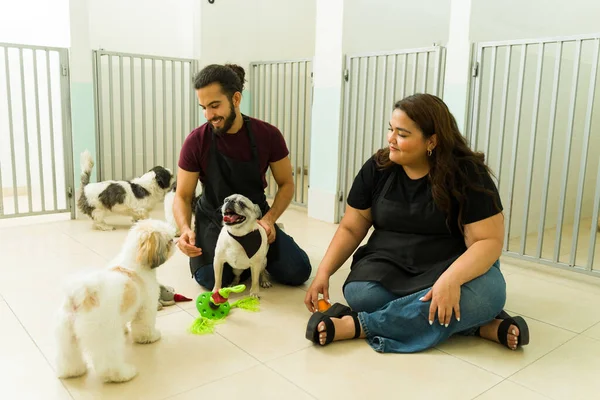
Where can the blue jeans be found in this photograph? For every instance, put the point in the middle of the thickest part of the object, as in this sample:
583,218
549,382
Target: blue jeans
287,263
401,325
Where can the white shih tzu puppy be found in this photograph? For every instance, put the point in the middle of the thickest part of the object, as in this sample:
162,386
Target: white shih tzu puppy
135,198
168,208
97,307
242,243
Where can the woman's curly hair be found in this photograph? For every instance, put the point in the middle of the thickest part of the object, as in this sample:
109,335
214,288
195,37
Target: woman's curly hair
450,161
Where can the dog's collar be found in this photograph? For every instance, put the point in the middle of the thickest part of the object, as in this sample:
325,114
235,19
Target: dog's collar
250,242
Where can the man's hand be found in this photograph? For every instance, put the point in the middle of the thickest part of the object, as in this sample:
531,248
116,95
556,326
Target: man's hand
187,244
269,228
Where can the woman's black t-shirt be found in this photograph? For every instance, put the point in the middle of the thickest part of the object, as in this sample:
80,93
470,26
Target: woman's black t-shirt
413,242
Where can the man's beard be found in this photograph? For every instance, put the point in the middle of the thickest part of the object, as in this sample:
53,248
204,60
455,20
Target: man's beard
227,123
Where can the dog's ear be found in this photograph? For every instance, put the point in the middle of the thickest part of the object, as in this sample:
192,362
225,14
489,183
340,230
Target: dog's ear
152,250
163,177
258,211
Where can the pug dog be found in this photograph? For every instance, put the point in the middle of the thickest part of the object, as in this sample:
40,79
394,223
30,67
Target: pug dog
242,244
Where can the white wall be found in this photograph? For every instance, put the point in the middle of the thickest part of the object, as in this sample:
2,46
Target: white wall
517,19
383,25
153,27
35,22
242,31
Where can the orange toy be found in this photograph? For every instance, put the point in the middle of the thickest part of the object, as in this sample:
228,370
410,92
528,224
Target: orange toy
322,305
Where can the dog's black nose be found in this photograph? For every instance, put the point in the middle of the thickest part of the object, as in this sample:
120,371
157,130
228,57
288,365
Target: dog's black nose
230,204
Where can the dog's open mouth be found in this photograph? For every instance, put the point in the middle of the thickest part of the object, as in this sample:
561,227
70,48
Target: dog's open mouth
231,218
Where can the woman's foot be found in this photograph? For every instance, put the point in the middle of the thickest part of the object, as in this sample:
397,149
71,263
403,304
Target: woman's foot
344,329
490,332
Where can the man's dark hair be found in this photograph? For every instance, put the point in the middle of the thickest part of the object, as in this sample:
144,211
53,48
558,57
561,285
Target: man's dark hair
229,76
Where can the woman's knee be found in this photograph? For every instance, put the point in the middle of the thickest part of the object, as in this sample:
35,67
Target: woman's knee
485,294
366,296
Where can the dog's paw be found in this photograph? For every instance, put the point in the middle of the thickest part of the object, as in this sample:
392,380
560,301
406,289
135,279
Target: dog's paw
104,227
71,371
255,295
146,339
122,374
265,283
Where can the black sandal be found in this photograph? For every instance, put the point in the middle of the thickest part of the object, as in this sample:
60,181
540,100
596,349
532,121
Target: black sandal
507,321
337,310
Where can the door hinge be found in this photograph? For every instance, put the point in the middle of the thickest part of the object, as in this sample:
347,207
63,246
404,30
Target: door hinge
341,197
65,70
475,69
70,191
346,75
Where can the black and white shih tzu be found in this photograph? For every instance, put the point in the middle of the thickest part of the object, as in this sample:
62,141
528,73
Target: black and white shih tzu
135,198
168,207
242,244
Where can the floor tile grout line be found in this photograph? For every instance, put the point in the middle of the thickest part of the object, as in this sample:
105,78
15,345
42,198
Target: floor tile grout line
217,333
568,280
39,349
487,390
471,363
534,391
211,381
84,245
551,324
292,382
589,337
538,359
529,364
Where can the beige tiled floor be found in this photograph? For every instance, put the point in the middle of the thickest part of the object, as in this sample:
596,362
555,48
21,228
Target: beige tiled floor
264,355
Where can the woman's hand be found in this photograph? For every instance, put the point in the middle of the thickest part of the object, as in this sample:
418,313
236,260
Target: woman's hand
445,297
319,286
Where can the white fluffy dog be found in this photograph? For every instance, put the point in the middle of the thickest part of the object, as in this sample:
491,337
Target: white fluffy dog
168,207
242,243
135,198
97,307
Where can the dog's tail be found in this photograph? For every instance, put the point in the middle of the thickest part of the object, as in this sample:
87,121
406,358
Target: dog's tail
83,299
87,163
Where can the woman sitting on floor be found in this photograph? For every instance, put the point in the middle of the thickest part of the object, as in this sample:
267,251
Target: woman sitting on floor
431,266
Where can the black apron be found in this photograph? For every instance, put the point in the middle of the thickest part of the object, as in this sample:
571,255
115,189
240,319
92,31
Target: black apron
224,177
411,245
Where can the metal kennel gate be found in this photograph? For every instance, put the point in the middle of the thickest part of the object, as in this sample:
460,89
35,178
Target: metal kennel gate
534,111
36,158
281,93
373,83
145,107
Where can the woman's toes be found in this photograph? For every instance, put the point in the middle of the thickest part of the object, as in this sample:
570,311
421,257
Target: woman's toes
322,334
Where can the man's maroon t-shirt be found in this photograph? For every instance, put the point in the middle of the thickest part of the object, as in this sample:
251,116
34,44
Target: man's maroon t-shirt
270,145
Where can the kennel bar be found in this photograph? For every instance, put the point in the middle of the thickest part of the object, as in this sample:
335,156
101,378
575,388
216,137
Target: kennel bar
35,174
552,83
122,153
281,94
565,170
374,82
552,124
25,130
534,122
582,168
